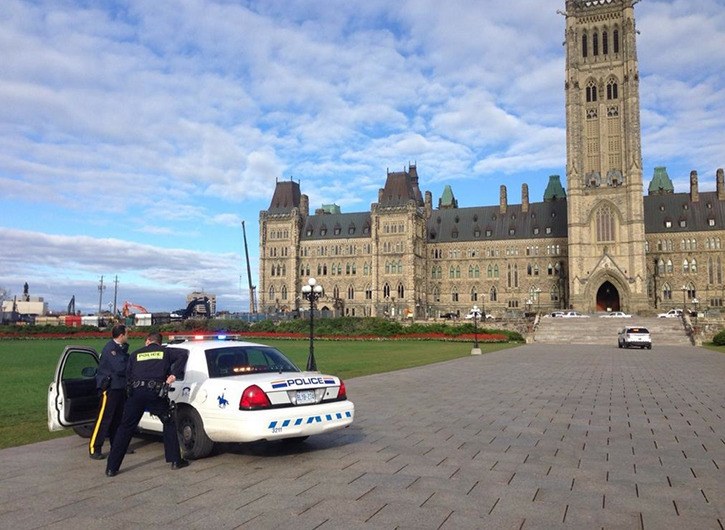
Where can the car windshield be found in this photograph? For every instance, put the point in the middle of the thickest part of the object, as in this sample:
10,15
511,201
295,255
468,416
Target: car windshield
240,360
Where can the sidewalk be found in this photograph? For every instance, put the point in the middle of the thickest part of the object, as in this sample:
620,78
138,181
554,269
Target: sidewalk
533,437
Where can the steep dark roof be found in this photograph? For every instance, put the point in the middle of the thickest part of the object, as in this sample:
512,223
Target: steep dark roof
336,226
286,196
463,224
401,187
677,207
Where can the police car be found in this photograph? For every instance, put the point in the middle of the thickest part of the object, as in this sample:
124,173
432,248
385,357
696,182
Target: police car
231,391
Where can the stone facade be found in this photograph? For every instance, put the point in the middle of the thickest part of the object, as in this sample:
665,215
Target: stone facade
600,245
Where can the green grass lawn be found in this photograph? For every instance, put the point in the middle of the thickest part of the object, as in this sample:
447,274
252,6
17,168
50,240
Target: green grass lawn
27,367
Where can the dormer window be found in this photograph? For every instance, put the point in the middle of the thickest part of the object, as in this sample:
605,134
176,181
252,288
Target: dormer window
488,233
711,222
548,230
309,231
668,224
323,231
512,231
337,230
536,231
683,223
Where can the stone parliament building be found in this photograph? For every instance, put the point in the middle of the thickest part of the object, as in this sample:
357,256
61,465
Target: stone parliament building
599,245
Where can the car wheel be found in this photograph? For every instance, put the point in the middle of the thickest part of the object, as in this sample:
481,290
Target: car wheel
649,346
193,438
84,431
619,344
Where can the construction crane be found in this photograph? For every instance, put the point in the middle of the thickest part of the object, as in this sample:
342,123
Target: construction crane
252,298
127,306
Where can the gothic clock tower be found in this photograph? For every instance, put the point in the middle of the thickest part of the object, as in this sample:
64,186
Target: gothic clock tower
605,206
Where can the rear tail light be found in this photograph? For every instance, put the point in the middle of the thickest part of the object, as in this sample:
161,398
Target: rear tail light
254,397
342,392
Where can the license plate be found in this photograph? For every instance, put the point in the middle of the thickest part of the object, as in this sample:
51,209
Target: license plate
306,397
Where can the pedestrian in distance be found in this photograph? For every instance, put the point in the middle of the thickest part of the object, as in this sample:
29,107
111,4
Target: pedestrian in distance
149,372
111,385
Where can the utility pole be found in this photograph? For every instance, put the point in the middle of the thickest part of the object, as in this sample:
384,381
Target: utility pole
115,295
101,288
252,301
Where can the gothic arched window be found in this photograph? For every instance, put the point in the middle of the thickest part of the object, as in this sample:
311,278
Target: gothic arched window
605,224
493,294
386,290
584,45
615,41
595,44
612,92
605,43
591,92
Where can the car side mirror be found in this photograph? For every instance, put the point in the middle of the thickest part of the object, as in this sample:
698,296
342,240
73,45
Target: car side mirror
88,371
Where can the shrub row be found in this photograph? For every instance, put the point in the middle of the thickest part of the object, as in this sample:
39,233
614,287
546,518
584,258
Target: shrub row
327,327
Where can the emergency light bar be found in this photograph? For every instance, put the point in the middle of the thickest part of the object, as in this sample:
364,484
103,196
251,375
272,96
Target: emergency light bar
204,336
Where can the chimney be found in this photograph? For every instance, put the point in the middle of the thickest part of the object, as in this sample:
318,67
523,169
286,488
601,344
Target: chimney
720,178
380,195
428,204
524,198
503,202
694,195
304,205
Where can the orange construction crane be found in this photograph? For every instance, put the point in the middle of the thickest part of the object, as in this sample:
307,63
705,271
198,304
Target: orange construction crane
127,306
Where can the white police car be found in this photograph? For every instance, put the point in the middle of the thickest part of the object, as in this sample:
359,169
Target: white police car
231,391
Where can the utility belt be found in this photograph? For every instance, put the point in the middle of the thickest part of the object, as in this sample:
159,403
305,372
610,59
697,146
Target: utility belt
151,384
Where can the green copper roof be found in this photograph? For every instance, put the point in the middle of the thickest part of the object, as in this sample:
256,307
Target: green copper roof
331,208
447,200
554,190
661,182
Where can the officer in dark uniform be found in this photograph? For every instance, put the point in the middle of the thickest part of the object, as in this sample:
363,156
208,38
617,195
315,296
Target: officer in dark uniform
111,385
148,370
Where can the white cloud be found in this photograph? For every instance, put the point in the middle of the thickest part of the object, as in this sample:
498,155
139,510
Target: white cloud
166,122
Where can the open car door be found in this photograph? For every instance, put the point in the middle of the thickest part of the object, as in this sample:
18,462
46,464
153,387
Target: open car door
72,396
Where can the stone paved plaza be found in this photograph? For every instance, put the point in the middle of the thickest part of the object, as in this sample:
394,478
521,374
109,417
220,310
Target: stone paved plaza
532,437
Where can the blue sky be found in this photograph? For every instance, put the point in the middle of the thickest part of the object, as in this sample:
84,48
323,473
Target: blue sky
135,136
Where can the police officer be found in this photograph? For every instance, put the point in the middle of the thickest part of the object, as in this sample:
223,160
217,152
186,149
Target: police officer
149,368
111,385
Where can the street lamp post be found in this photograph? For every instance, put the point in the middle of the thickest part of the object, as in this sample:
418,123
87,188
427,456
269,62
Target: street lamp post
695,304
312,292
684,292
475,312
475,326
528,306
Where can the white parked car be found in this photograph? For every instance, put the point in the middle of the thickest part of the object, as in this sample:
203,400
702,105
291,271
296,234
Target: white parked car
616,314
573,314
672,313
231,391
634,336
479,315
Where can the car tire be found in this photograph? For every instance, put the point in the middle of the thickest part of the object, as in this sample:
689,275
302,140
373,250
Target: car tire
84,431
619,344
649,347
192,437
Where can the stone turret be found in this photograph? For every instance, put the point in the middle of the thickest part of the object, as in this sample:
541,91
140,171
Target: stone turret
503,200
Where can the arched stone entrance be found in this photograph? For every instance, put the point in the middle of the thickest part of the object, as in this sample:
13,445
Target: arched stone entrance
608,298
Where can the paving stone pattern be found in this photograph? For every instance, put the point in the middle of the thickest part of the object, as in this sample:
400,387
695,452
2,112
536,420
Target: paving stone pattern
534,437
